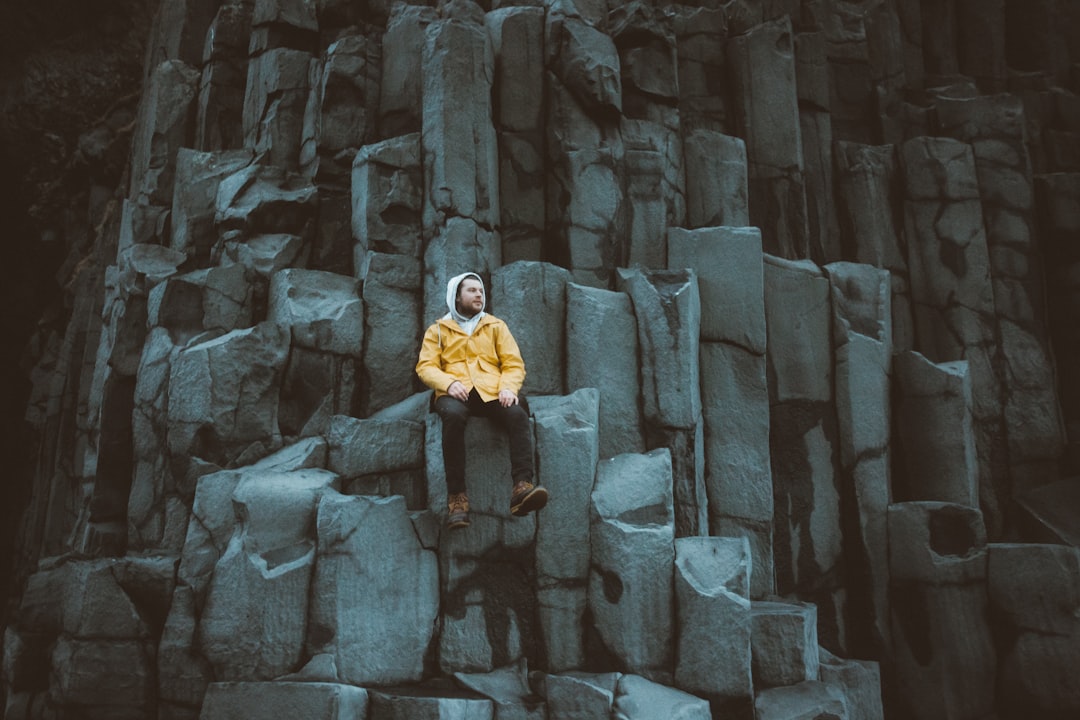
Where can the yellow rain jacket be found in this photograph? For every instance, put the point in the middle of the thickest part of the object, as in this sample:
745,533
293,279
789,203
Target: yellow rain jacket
488,360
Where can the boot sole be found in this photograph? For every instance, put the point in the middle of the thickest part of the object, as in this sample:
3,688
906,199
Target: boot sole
534,500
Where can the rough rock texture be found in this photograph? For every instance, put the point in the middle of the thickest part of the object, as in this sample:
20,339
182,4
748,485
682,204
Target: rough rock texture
795,283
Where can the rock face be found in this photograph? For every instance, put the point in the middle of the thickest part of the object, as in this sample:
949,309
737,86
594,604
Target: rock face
795,285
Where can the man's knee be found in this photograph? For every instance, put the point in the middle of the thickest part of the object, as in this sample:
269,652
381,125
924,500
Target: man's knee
451,410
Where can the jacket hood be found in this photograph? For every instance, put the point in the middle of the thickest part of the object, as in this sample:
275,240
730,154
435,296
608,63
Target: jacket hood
451,295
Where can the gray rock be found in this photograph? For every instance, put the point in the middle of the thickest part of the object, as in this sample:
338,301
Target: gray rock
799,357
392,328
633,554
712,589
1045,637
587,208
265,200
577,695
640,699
316,386
700,34
194,198
387,196
461,164
934,428
517,41
163,127
369,553
784,643
401,87
508,690
804,701
522,201
223,393
182,674
531,298
266,700
109,678
813,80
253,624
655,187
716,180
303,454
179,30
428,705
263,255
215,299
600,323
322,310
219,121
860,682
142,224
275,101
567,450
370,446
762,63
345,89
586,60
937,563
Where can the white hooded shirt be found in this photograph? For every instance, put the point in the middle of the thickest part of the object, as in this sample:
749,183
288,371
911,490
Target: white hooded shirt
465,323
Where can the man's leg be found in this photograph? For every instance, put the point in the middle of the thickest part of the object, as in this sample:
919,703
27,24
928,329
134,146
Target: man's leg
525,496
454,413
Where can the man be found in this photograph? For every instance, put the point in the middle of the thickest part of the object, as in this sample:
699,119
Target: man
471,361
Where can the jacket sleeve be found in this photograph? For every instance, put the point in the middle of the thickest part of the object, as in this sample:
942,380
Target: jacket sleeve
429,366
511,364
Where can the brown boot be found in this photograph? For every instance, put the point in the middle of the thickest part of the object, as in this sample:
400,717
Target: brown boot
458,515
526,498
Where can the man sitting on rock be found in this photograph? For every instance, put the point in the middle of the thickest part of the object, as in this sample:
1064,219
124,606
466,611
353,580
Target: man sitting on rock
472,362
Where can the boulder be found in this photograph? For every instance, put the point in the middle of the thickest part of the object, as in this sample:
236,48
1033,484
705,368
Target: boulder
428,703
375,592
716,180
585,60
640,699
575,695
858,680
264,200
712,589
266,700
803,701
373,445
509,692
387,197
275,100
392,328
600,323
633,555
217,299
194,198
784,643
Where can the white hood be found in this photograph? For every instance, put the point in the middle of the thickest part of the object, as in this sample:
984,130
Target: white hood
467,324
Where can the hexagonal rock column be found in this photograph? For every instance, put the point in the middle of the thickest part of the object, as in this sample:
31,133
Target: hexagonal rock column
630,581
275,100
601,324
668,312
954,302
400,90
461,164
428,703
509,692
995,127
219,122
1032,589
808,537
700,33
814,87
340,114
762,62
254,621
944,660
637,698
712,588
270,701
194,199
325,316
808,699
716,182
375,594
734,394
866,178
585,216
379,456
163,127
783,643
387,189
862,341
517,40
936,443
531,298
488,601
567,450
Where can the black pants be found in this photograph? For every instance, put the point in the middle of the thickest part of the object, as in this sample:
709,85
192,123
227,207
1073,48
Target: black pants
515,419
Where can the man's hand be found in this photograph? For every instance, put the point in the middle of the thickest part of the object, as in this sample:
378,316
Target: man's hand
457,391
507,398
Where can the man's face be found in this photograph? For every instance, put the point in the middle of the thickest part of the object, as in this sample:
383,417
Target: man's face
470,298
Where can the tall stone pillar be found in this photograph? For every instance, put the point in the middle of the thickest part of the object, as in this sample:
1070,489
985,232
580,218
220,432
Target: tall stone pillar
762,64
